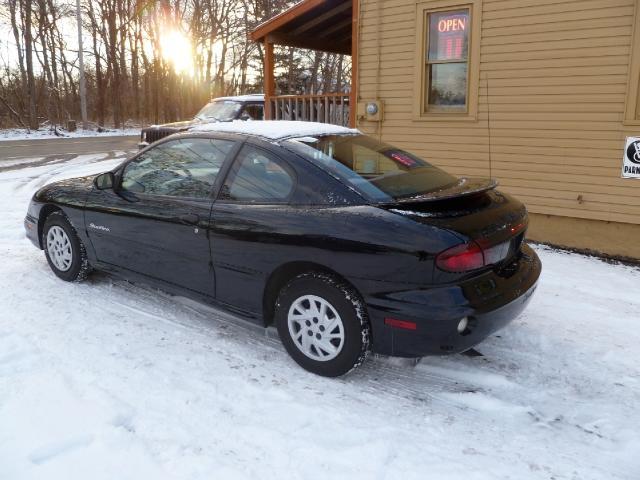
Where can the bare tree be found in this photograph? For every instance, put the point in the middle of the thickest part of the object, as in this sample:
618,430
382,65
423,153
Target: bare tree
127,75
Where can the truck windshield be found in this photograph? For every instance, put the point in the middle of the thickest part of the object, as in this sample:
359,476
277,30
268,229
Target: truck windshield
223,111
379,171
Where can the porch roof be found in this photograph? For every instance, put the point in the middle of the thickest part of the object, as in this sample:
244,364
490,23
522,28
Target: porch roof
324,25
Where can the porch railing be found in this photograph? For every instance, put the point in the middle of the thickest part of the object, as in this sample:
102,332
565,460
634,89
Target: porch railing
326,108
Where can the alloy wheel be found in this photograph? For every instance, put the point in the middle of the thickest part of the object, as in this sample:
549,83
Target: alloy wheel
59,248
316,328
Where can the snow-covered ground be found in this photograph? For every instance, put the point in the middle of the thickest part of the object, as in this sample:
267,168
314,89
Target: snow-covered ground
106,380
45,133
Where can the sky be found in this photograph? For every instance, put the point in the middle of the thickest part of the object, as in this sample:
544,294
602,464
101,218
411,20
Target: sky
9,56
173,45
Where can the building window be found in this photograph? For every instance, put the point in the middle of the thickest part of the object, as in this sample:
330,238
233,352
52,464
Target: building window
447,61
447,53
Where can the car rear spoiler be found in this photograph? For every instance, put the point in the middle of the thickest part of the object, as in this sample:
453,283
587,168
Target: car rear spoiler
462,188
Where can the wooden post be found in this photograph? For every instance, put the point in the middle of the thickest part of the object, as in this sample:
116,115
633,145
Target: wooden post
353,97
269,81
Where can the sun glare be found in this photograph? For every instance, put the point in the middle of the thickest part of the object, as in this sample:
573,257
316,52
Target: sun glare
175,47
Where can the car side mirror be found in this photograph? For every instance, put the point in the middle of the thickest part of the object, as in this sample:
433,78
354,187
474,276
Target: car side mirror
105,181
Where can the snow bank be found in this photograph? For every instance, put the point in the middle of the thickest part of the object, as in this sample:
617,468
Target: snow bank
107,380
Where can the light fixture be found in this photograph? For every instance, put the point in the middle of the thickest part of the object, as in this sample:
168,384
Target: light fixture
372,108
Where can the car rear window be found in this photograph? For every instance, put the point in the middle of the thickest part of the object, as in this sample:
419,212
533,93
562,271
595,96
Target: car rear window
379,171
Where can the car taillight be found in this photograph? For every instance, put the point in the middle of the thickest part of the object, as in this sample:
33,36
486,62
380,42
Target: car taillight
516,229
478,254
461,258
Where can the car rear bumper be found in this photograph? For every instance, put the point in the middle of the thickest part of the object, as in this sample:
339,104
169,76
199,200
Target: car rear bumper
489,302
31,230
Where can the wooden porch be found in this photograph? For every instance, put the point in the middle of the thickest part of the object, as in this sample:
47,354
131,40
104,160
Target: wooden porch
322,25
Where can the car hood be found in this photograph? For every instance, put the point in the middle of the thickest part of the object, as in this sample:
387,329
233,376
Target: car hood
71,191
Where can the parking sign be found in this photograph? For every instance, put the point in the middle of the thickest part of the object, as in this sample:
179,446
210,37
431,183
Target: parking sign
631,160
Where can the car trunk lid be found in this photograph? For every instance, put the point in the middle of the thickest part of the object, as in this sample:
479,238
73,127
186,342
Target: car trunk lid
477,213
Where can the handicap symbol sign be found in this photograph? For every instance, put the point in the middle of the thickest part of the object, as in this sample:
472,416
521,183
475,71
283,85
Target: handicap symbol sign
631,160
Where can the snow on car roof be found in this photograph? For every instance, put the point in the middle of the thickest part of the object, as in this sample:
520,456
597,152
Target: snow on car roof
241,98
275,129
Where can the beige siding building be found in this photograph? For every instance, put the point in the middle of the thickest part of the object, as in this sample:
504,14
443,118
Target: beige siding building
552,95
539,95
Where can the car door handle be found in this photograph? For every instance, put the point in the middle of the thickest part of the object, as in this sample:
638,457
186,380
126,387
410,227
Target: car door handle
189,219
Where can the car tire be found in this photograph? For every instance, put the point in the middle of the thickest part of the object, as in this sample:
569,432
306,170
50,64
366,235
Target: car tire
65,252
323,324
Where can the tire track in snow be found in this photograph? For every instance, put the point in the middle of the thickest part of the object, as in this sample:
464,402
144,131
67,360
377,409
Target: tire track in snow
378,375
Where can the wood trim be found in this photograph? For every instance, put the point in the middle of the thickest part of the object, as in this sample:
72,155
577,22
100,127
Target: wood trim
309,43
269,80
336,28
321,18
473,60
355,35
320,95
267,33
262,30
632,106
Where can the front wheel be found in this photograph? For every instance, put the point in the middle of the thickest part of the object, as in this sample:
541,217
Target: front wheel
323,324
66,255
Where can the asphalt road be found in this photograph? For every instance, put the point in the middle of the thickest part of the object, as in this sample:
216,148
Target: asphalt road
64,147
18,154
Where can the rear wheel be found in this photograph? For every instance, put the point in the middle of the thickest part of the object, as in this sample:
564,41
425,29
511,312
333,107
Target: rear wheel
323,324
65,252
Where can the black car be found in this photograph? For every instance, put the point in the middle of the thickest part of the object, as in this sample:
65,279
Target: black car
345,243
222,109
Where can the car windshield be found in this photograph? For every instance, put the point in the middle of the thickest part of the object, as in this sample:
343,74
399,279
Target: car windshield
222,111
380,171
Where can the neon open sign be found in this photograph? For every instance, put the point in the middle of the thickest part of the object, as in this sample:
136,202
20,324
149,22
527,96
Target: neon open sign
449,36
452,24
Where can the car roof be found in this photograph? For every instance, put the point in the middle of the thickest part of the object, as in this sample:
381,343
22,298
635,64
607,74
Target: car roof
275,129
254,97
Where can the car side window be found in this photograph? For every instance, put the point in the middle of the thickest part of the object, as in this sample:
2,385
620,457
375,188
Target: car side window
180,168
259,177
253,112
